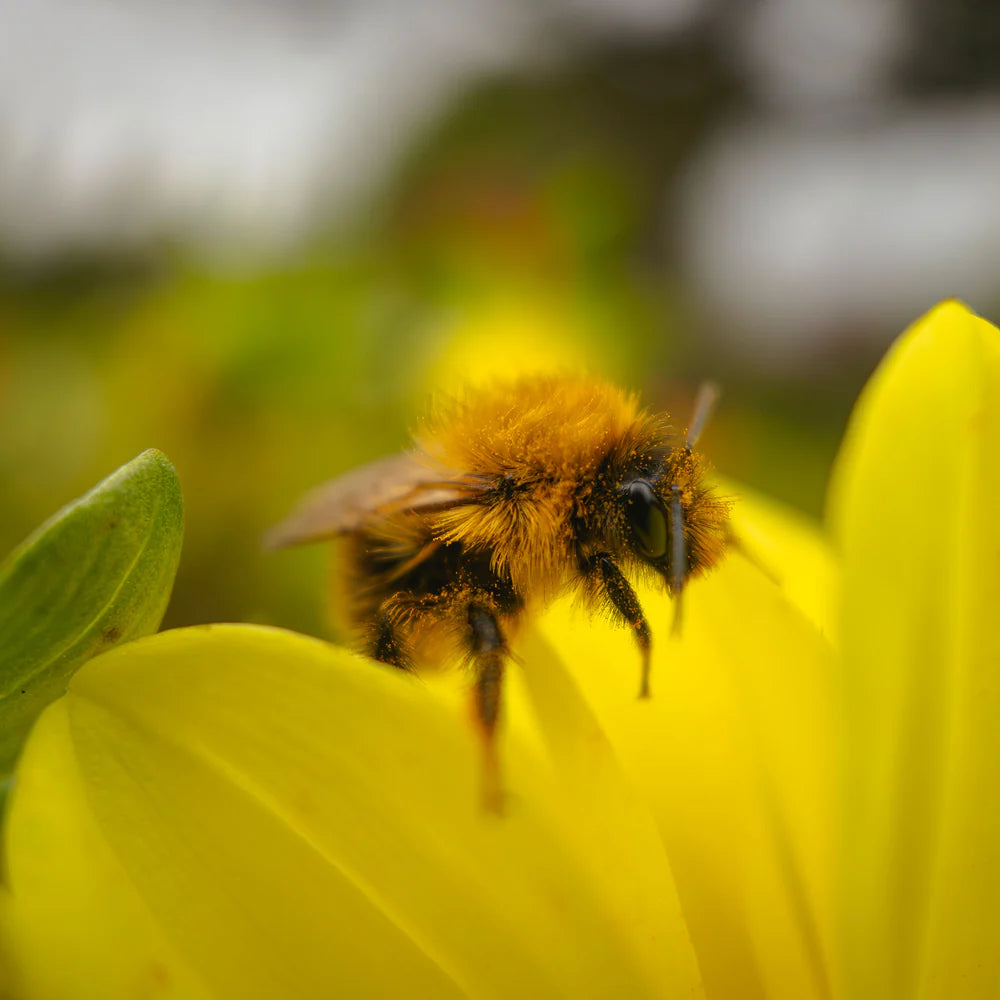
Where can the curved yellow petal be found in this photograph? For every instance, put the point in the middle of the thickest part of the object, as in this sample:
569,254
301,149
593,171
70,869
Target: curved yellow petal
233,811
915,508
76,924
733,751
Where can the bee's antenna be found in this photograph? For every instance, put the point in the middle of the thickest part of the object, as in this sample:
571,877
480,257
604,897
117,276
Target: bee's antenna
678,555
704,404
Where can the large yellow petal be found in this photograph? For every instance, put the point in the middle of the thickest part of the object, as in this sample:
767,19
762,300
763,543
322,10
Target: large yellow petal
915,510
77,925
734,754
240,812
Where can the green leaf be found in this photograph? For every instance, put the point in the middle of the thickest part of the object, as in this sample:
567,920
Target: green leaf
97,574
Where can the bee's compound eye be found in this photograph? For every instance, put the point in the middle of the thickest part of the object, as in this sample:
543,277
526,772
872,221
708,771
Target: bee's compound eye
647,519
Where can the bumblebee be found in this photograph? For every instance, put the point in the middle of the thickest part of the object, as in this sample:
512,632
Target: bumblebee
509,498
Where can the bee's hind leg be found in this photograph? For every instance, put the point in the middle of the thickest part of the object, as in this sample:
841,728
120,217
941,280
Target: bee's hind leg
488,652
384,641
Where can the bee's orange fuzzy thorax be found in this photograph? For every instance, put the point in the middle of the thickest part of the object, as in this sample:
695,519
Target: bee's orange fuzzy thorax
548,433
550,425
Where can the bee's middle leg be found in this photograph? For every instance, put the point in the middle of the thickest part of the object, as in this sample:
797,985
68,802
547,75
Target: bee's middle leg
616,592
488,649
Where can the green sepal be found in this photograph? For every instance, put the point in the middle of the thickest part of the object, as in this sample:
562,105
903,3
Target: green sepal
96,574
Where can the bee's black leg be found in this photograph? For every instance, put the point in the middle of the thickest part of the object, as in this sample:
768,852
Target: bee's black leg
619,597
488,652
384,643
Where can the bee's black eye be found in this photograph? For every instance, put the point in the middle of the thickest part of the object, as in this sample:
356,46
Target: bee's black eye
647,519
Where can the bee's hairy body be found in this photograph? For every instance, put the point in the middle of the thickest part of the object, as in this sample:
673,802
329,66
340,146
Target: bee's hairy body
546,458
518,494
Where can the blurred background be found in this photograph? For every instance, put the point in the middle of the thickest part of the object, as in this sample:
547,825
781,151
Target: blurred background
256,235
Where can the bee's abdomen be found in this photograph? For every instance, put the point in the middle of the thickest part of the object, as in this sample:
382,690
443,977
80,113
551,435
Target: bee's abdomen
435,576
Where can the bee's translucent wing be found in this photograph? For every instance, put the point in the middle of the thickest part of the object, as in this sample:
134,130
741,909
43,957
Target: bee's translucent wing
397,482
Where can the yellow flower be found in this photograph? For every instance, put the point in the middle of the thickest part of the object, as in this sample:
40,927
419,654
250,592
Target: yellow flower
915,512
804,809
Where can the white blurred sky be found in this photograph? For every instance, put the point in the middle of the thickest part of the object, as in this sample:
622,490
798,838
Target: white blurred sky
239,127
233,124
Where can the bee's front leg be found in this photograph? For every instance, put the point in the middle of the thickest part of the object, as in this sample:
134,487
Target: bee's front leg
617,595
488,652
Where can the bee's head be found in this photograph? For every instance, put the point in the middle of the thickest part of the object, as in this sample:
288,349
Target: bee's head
675,524
654,509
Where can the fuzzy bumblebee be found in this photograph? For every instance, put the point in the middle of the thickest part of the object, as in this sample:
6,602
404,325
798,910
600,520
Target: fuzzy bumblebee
511,497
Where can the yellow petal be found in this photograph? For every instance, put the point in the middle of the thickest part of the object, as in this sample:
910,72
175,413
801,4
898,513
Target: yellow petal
915,510
74,904
733,753
240,812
